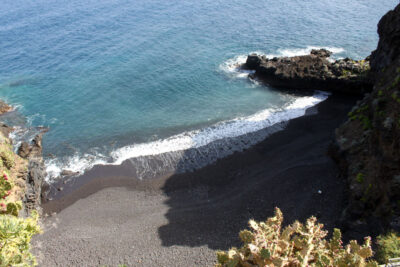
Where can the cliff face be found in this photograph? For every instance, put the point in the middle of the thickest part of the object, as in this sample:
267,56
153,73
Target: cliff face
369,141
388,48
36,172
26,169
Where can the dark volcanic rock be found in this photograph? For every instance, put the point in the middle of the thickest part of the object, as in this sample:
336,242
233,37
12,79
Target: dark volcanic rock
389,41
252,61
368,143
24,150
321,53
34,184
35,177
312,72
31,150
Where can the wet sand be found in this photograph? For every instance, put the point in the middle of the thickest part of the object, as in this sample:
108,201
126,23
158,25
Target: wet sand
108,217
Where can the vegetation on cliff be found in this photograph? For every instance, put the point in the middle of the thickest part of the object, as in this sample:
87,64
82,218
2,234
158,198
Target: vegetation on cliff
269,244
368,152
369,141
15,232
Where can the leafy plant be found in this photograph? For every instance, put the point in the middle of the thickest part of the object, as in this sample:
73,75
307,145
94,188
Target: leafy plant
388,247
7,157
5,186
267,244
15,236
360,178
8,207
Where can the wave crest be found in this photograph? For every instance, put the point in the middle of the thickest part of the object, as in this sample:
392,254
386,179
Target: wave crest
193,149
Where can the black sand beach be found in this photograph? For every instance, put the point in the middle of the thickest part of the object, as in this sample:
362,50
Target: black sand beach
109,218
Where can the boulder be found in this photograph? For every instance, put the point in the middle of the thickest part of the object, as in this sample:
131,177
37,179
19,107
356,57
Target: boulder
24,150
4,108
321,53
68,173
32,150
253,61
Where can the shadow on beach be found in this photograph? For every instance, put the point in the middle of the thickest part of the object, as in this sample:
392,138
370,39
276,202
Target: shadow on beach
287,170
181,218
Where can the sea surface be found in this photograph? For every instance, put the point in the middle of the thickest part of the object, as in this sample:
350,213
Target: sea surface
156,81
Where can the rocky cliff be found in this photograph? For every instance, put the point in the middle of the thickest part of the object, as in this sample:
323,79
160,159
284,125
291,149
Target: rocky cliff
36,172
26,169
368,143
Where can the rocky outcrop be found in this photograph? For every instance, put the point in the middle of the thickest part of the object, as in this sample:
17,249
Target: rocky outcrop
30,175
368,143
5,129
31,178
389,41
35,178
32,150
4,107
312,72
35,182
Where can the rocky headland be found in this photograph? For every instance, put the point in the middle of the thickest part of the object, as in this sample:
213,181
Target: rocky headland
367,144
312,72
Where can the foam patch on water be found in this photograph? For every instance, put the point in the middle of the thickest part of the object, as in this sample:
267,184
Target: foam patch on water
303,51
232,66
197,140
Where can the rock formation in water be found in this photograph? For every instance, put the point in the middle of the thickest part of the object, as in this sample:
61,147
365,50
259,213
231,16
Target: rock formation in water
312,72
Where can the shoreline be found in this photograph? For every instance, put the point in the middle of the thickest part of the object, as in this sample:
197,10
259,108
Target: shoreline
200,147
183,218
67,188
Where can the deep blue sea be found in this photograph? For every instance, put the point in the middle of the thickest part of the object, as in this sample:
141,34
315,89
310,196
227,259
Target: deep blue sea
133,79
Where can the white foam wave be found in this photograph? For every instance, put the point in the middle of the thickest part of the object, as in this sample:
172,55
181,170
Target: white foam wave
76,163
292,52
189,140
232,67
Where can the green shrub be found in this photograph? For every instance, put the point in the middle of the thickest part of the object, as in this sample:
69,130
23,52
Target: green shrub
5,186
7,158
388,247
267,244
360,178
7,206
15,236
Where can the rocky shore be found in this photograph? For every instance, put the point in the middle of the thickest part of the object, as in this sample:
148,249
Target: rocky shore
341,164
32,177
366,146
182,219
312,72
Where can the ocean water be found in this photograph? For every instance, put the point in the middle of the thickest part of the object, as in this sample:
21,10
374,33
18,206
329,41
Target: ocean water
118,80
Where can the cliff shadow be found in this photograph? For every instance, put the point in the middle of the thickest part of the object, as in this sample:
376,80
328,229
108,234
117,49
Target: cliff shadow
290,170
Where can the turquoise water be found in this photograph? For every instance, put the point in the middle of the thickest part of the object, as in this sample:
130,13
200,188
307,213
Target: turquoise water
111,77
